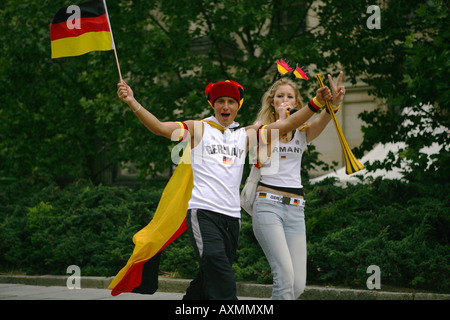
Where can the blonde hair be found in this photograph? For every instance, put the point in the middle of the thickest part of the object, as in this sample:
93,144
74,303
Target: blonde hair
266,114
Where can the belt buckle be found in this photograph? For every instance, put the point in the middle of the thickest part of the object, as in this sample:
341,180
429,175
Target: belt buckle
286,200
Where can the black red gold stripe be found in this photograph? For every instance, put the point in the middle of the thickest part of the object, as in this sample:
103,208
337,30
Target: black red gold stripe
262,135
92,34
144,271
89,9
169,221
184,131
335,109
95,24
315,105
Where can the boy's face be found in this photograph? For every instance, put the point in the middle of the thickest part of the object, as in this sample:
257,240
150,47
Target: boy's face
225,109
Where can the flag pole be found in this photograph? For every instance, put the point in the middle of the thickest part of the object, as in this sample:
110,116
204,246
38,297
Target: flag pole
117,62
113,43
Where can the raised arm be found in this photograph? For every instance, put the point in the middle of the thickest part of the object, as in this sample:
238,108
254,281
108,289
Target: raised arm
171,129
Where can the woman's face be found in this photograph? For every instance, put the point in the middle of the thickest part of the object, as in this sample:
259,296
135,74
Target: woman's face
284,94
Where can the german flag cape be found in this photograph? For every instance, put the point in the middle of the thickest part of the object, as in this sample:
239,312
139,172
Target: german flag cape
79,29
140,275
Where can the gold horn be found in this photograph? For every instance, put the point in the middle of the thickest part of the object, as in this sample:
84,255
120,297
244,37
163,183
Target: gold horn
352,164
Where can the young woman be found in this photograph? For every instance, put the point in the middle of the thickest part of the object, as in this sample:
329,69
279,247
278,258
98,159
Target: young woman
218,151
278,209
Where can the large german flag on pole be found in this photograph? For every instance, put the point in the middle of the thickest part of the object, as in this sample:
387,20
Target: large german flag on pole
79,29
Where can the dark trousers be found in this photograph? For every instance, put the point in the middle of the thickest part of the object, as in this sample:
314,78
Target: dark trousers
214,237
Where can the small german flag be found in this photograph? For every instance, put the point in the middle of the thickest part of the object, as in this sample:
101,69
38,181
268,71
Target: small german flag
227,160
79,29
262,195
283,66
300,73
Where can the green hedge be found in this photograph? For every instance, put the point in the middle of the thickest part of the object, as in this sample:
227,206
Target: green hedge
402,228
44,230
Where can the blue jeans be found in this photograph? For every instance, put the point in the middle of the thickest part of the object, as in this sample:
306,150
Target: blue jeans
280,231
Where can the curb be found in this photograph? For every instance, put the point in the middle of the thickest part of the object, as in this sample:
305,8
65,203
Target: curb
243,289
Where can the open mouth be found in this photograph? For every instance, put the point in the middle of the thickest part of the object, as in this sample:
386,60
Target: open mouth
225,115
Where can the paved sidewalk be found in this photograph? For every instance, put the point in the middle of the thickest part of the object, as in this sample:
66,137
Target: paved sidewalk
27,292
92,288
95,288
30,292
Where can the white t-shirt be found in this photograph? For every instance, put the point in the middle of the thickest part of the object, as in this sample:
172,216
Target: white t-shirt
217,165
289,156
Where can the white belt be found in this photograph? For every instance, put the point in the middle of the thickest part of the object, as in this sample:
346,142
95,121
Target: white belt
278,198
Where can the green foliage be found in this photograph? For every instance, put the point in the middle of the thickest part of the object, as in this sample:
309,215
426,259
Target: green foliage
379,224
91,226
62,116
179,258
402,228
406,64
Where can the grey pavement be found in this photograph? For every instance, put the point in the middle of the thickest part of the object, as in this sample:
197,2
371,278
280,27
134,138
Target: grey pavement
91,288
14,287
14,291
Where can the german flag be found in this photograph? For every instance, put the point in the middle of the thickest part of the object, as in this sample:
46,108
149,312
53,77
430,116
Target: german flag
76,30
283,66
300,74
227,160
140,275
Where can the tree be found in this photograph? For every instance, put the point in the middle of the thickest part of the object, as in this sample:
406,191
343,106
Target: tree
59,117
63,116
406,64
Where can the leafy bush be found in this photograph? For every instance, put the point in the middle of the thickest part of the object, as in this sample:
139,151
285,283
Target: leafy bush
402,228
44,230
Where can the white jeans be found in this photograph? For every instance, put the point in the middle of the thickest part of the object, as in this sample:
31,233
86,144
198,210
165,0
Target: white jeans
280,231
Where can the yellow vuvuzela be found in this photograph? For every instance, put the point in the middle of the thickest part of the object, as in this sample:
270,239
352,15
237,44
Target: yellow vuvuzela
352,164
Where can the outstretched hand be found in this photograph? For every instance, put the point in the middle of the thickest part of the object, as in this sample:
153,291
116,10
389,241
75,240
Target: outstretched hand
337,90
